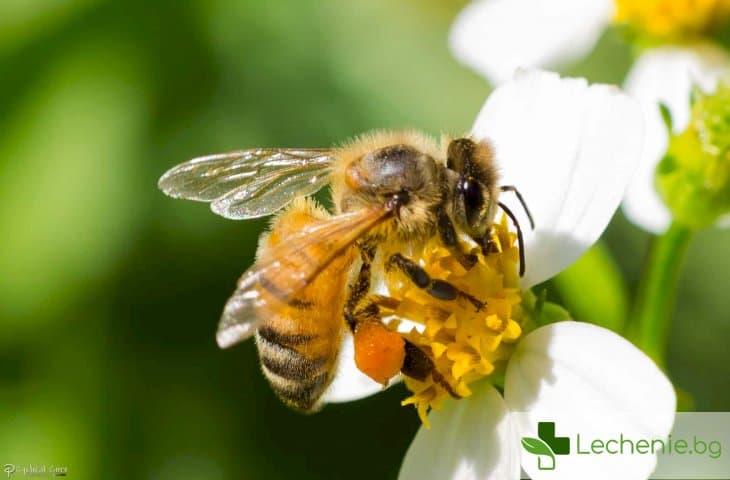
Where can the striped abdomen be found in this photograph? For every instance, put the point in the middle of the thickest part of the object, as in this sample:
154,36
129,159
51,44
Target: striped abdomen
299,341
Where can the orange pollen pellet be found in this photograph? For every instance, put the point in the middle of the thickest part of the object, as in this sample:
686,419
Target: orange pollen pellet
379,352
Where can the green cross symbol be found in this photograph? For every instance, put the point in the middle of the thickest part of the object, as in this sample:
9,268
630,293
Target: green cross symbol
546,445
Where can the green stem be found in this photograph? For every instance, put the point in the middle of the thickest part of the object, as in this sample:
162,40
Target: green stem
657,289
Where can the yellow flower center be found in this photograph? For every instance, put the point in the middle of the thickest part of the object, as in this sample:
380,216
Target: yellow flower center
673,19
465,344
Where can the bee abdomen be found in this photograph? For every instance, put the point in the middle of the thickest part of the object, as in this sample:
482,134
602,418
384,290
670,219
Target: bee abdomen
283,339
291,365
297,379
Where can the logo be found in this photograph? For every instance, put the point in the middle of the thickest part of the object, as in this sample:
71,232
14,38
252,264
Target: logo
546,445
33,470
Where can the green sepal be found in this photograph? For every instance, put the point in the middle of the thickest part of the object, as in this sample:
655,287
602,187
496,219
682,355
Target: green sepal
539,312
666,116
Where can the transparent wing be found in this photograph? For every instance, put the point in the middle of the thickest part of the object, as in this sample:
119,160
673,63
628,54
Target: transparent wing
249,183
274,281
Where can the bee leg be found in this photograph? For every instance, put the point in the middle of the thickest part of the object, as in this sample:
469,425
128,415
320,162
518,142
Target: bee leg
414,363
360,288
447,232
487,243
440,289
379,351
418,365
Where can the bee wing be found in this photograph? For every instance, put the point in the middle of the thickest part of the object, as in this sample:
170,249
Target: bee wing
275,279
249,183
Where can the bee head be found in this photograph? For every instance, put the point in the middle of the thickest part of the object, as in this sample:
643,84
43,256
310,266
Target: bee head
399,177
474,190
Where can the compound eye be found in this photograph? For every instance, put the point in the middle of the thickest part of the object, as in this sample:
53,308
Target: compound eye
473,196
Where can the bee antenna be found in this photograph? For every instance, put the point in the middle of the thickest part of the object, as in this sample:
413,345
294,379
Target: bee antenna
513,189
520,240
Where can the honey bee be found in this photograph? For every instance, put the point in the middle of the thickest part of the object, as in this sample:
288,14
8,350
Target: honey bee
313,275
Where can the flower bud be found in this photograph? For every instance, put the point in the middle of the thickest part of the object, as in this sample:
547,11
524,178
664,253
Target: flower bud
693,178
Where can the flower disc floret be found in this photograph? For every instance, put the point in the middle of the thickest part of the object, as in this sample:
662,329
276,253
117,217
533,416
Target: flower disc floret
673,19
465,343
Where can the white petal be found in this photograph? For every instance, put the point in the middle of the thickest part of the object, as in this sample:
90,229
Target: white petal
591,381
665,75
495,37
350,383
570,149
469,439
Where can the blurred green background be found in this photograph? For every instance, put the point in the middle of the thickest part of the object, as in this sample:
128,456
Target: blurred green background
110,292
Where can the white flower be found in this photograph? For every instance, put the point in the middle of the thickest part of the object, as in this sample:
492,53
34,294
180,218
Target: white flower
571,149
578,375
495,37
